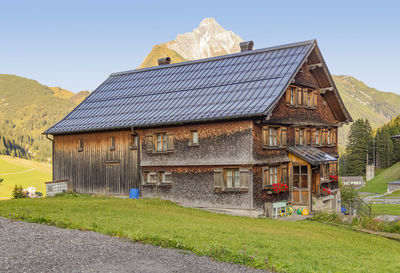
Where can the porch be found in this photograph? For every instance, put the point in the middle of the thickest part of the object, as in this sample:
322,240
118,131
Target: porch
313,181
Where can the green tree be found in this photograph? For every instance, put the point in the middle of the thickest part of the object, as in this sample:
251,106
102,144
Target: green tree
358,149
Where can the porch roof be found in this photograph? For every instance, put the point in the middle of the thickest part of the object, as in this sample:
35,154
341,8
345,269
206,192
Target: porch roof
312,155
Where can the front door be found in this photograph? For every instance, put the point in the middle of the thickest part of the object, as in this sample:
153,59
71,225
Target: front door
300,184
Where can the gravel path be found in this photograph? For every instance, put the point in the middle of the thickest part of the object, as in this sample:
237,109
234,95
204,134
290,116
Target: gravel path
27,247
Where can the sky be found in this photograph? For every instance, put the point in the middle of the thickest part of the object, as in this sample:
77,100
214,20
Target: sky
76,45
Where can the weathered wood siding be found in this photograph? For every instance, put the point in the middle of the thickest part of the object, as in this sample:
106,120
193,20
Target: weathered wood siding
97,168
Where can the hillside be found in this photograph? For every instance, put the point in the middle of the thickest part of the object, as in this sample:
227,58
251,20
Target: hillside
26,173
363,101
210,39
28,108
379,183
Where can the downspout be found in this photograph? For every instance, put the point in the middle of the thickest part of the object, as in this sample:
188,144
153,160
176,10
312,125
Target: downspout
52,155
138,161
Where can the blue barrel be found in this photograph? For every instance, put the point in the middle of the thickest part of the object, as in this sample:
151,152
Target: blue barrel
343,209
134,193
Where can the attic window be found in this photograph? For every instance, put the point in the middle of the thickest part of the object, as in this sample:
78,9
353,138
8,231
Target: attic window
134,142
112,143
80,145
194,138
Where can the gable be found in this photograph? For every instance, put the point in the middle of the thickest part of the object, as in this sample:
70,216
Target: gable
227,87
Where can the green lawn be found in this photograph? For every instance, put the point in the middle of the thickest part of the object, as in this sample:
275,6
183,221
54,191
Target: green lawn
394,194
379,182
23,172
381,209
303,246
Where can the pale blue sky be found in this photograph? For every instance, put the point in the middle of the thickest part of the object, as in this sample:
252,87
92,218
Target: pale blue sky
77,44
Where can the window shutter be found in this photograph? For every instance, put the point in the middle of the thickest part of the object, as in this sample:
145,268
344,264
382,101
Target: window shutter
284,173
288,96
265,176
283,136
315,99
278,137
279,174
297,136
170,142
305,94
243,172
313,130
168,177
265,136
333,137
149,144
218,179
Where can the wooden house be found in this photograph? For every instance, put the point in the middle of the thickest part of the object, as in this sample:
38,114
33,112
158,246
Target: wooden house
215,132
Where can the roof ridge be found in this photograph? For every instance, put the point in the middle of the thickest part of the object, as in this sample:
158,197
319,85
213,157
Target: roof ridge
256,51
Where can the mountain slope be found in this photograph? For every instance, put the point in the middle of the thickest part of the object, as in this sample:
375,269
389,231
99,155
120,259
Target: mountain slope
209,39
27,109
364,102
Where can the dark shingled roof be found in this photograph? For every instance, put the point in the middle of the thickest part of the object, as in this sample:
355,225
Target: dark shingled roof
312,155
232,86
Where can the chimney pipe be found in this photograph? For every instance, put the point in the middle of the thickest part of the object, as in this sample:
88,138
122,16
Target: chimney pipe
164,61
246,46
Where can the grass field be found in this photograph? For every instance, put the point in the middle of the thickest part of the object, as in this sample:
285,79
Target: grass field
394,194
303,246
388,209
379,182
22,172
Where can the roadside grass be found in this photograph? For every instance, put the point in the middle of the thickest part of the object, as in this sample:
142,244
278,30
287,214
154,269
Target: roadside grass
393,194
379,182
388,209
303,246
23,172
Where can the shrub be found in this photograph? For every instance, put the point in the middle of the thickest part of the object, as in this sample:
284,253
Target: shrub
18,192
348,194
1,180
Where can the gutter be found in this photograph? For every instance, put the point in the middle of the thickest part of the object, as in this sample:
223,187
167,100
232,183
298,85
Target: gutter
52,155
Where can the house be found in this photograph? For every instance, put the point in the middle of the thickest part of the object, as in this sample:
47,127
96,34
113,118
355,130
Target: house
354,181
213,133
393,186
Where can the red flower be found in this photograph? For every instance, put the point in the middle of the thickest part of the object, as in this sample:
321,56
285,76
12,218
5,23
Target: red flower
279,187
334,177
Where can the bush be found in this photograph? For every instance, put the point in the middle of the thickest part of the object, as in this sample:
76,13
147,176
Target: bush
1,180
348,193
18,192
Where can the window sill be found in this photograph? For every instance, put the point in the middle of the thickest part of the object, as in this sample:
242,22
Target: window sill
160,152
153,185
194,145
274,147
133,147
230,190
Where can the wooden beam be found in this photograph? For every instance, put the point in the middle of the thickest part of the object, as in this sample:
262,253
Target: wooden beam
314,66
323,90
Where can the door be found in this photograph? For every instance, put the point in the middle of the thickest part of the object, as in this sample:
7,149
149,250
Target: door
300,184
113,178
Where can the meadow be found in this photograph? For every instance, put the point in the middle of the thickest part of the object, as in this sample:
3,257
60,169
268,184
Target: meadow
23,172
302,246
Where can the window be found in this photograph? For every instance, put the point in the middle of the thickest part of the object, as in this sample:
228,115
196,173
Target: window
80,145
273,175
134,141
161,142
164,177
232,178
292,95
194,138
329,137
301,137
317,137
273,139
150,177
274,136
300,176
299,97
310,98
112,143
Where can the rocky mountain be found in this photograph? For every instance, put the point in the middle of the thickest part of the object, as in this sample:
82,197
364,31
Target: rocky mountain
27,108
209,39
